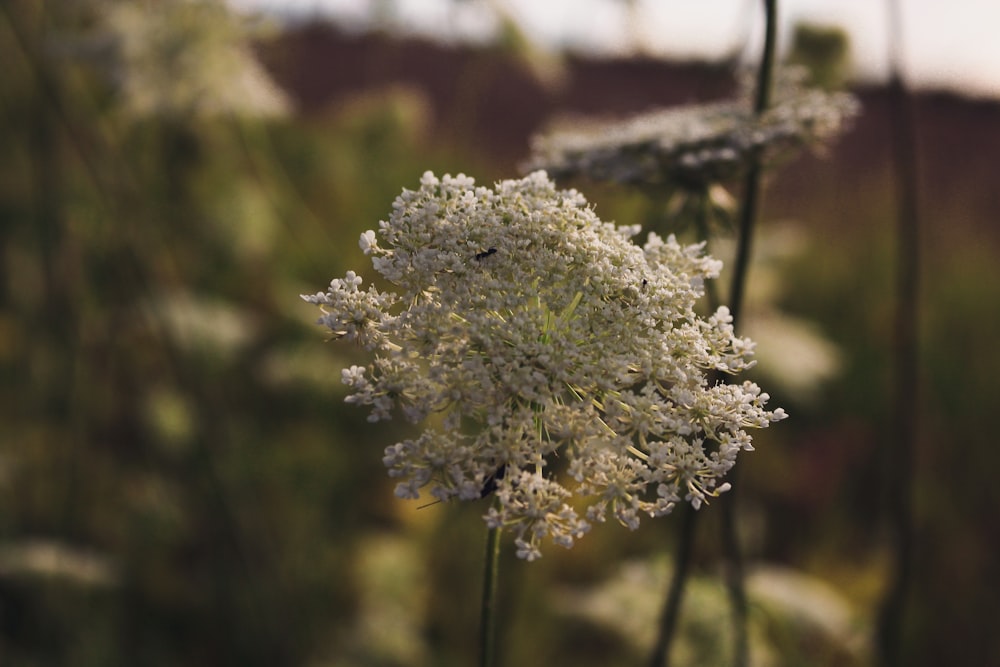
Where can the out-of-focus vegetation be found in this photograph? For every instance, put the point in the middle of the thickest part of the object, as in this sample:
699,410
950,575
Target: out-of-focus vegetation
824,51
180,482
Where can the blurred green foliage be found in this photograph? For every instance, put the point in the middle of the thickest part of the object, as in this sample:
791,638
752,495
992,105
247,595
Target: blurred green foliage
180,482
824,51
168,408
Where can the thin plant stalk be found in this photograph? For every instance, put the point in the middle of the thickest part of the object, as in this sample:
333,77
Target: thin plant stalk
670,613
487,620
899,452
735,575
732,553
751,183
675,595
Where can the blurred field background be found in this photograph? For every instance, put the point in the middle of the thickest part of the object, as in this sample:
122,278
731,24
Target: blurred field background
181,483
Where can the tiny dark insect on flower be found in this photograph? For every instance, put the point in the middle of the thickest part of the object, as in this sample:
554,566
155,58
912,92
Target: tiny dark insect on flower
490,485
484,255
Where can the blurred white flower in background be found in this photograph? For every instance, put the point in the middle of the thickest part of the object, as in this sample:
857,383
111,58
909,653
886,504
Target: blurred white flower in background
174,57
796,615
693,147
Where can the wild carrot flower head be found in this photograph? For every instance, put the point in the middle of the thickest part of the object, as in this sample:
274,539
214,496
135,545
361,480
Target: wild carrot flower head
548,357
177,58
693,147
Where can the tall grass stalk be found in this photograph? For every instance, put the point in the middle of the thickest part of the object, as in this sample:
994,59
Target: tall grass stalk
732,552
899,452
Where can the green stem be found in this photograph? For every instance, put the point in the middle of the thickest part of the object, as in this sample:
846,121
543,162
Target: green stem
487,627
735,584
689,516
897,463
751,183
734,571
675,595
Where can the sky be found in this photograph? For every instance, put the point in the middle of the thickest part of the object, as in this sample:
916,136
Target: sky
950,45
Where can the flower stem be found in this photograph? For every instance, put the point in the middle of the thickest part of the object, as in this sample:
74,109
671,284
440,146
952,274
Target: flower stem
675,595
689,516
751,183
487,622
897,464
735,584
732,553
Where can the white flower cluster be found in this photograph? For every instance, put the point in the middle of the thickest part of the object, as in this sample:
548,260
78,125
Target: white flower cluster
692,147
554,361
182,58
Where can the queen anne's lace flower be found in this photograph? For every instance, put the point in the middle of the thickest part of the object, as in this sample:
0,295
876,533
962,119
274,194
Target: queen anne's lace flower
565,366
694,147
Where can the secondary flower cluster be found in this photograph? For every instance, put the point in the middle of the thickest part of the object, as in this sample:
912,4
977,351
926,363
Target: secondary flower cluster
551,359
692,147
181,58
